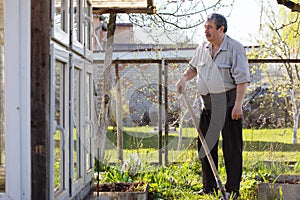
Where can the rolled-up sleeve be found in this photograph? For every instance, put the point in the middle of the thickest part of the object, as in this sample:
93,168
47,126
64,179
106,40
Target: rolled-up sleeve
240,67
195,59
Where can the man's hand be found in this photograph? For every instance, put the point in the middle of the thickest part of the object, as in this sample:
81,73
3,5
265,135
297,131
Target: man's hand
180,85
187,75
237,112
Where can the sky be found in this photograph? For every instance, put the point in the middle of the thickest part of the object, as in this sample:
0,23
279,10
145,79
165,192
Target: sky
243,24
244,21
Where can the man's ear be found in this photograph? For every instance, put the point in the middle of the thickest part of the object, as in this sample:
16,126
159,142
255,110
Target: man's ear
221,29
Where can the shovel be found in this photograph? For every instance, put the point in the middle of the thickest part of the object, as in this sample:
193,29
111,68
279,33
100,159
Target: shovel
205,147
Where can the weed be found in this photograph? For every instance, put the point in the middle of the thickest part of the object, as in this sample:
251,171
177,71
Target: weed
267,154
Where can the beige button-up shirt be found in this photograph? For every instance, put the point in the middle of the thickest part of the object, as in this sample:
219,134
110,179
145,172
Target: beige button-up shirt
223,71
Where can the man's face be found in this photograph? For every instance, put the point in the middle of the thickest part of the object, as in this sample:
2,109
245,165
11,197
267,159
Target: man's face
211,32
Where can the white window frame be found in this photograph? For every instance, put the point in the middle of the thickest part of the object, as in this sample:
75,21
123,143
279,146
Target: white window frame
89,173
76,185
58,34
59,54
88,29
77,45
17,64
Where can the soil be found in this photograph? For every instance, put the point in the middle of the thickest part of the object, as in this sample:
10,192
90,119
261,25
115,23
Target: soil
287,179
120,187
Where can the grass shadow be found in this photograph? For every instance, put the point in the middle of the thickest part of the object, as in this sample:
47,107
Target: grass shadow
270,146
141,140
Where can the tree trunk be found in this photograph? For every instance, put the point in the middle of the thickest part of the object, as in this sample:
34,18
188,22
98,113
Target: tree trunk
40,99
105,104
295,129
296,113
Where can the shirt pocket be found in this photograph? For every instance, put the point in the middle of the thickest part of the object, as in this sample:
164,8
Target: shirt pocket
201,64
224,66
225,71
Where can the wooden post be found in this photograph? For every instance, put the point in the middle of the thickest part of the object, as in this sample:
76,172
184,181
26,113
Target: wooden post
166,112
119,115
160,114
40,99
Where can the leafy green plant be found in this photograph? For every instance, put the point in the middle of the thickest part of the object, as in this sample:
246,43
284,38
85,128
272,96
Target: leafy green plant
272,194
267,155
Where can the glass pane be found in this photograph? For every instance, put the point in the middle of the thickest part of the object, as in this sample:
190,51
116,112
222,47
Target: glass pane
2,106
87,109
76,134
88,148
76,22
59,14
58,137
88,11
88,116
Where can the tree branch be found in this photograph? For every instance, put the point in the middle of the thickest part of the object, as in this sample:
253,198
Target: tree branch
295,7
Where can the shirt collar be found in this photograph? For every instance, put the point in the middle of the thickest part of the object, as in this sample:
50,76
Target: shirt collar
223,45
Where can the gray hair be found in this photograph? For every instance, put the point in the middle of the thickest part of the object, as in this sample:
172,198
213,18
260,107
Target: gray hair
220,20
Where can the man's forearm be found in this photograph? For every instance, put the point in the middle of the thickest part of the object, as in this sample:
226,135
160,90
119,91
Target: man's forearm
241,91
189,74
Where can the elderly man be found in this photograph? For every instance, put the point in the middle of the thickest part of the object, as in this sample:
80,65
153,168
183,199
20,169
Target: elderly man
221,67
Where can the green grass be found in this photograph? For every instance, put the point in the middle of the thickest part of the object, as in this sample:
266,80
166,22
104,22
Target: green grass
269,135
263,144
267,153
271,145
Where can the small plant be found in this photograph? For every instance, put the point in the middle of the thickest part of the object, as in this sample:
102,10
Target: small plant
249,185
132,165
272,194
266,157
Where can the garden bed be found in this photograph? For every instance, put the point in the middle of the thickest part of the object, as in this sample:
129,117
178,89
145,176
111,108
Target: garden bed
284,187
122,191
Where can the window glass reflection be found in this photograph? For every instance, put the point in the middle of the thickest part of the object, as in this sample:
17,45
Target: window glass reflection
59,159
76,129
2,105
76,20
88,126
60,14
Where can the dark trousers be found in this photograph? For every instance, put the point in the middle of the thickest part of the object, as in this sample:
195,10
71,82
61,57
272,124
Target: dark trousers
232,146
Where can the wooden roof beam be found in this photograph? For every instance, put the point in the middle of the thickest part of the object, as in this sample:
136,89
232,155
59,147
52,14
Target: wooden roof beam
123,6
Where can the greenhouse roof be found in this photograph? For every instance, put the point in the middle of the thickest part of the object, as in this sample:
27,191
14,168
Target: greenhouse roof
143,56
123,6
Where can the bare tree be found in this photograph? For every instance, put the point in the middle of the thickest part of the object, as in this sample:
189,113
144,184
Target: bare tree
281,40
180,15
105,104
